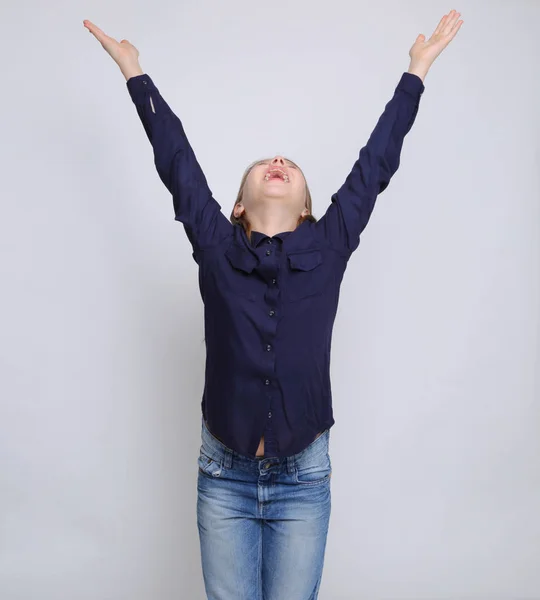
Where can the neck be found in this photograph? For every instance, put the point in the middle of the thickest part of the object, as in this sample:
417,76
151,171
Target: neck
272,224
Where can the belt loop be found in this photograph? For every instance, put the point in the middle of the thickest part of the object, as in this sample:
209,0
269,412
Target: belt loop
227,458
290,464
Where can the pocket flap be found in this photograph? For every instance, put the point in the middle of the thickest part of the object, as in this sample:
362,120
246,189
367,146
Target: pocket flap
240,258
305,261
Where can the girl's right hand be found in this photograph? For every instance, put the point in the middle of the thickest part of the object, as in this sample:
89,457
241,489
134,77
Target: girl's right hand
123,53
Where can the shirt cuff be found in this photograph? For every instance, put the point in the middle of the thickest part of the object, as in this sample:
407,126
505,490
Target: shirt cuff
411,84
140,84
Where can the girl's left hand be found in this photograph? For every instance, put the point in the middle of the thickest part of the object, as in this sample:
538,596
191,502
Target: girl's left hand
425,52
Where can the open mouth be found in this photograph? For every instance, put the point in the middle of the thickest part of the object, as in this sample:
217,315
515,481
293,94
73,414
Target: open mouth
276,175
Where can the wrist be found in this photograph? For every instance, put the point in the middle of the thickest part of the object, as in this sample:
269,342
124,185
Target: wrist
131,70
419,68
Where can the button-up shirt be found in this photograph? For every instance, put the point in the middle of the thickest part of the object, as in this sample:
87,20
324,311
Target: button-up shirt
270,304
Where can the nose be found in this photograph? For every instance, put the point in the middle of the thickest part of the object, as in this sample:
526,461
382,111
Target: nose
278,160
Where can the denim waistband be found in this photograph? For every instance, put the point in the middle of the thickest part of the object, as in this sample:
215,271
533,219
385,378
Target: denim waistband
220,451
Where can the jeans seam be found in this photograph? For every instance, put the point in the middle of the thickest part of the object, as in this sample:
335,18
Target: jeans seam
259,565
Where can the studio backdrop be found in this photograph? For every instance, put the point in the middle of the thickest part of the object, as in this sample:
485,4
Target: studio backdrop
435,354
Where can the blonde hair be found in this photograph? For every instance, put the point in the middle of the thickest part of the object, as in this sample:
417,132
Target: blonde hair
242,220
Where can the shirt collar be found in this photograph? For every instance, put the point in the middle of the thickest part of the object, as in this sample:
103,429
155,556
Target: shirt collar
257,237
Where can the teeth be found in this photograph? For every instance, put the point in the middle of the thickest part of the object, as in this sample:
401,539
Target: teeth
283,175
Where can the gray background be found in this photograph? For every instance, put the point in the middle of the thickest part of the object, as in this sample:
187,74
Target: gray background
436,446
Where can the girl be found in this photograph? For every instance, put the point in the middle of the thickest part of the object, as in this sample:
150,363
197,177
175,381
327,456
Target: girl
269,278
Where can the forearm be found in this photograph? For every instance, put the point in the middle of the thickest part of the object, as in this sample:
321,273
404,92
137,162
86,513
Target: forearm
353,203
177,165
165,132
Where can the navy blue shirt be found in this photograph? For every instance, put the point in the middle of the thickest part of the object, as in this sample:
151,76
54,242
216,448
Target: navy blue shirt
270,305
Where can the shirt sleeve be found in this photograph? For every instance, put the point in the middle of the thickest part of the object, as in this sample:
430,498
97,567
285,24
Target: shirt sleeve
351,206
175,161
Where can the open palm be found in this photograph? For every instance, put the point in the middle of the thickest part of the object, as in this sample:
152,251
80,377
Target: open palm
427,51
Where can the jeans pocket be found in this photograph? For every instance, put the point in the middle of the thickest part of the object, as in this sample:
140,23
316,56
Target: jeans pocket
313,470
209,465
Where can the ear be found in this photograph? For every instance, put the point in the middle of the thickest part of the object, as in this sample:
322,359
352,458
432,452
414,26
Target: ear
305,212
238,210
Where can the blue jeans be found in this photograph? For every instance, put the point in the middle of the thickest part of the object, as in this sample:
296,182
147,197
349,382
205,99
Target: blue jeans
263,522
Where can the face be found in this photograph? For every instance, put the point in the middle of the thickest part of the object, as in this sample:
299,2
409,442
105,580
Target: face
286,186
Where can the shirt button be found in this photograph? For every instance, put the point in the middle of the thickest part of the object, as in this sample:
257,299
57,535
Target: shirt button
272,313
274,281
268,252
267,382
268,347
269,241
269,415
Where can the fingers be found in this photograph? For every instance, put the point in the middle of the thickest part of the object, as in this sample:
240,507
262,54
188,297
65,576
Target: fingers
454,31
440,25
447,23
450,22
96,31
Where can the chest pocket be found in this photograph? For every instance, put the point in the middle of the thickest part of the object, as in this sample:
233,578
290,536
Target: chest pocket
240,279
304,277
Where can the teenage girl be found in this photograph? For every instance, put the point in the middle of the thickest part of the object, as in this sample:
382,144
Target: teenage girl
269,277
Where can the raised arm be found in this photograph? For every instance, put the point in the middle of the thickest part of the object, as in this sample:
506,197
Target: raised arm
177,166
174,158
352,205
